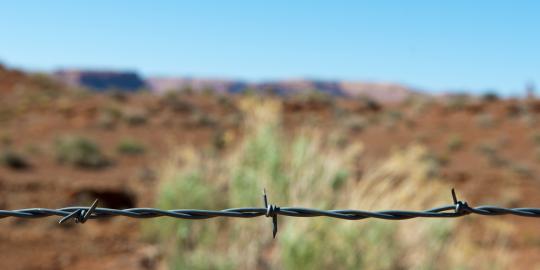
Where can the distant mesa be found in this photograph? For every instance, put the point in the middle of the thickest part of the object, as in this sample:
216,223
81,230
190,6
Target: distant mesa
382,92
131,81
165,84
102,80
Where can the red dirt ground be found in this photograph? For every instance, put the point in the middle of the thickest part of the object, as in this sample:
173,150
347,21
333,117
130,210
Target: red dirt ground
32,119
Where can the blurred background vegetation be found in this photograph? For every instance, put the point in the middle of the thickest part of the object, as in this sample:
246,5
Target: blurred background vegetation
209,150
313,169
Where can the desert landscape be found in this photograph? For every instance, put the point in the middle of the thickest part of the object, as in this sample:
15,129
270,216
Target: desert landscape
182,146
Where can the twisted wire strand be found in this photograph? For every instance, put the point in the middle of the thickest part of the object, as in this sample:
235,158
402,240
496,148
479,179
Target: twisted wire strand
448,211
81,214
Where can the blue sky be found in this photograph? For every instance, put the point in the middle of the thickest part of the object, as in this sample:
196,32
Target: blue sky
433,45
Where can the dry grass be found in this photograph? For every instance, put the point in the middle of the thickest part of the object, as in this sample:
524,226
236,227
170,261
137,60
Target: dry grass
312,169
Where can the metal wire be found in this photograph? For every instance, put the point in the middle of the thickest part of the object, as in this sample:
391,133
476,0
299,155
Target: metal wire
80,213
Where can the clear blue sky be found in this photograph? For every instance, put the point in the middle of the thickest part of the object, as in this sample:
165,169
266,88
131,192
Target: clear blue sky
474,45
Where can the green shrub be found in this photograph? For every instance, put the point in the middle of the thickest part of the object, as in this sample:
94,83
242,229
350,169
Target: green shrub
536,138
80,152
356,123
176,102
6,139
391,118
537,153
521,170
454,143
208,91
186,90
130,147
135,117
315,97
457,101
307,251
118,95
517,109
490,96
108,117
485,120
33,149
225,101
394,115
368,104
490,151
105,121
434,163
201,118
487,149
529,119
417,104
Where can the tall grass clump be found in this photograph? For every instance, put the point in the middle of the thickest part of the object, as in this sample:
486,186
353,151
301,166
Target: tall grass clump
304,168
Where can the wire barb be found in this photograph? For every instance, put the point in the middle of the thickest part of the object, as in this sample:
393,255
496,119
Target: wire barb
80,215
271,211
462,208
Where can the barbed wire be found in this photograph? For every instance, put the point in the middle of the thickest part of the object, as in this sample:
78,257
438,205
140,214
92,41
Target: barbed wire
81,214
